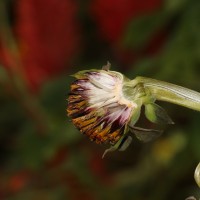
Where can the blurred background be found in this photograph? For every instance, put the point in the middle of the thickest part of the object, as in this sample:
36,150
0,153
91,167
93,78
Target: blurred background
42,42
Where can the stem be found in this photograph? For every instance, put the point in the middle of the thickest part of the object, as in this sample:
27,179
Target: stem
172,93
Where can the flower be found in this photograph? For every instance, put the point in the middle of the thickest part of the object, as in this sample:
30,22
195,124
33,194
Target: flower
98,107
197,175
105,105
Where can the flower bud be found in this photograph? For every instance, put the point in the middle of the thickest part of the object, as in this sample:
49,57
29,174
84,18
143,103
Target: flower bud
105,105
197,175
98,107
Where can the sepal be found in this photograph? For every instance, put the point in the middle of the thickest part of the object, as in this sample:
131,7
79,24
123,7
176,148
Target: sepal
157,114
145,135
121,145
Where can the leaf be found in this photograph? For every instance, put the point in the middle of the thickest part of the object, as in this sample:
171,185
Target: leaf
157,114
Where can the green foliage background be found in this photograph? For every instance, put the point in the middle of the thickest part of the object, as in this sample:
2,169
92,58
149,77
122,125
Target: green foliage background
43,156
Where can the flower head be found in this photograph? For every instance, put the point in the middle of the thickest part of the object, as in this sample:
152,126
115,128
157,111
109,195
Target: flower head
98,107
197,175
105,105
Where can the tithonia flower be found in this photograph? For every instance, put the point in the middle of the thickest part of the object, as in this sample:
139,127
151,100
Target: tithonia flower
105,105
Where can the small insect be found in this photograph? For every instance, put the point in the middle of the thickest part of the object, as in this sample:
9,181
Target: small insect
105,105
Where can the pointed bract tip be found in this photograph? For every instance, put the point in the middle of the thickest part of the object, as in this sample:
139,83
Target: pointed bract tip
107,66
111,149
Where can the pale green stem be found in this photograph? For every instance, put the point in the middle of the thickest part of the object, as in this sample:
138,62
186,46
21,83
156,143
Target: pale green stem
169,92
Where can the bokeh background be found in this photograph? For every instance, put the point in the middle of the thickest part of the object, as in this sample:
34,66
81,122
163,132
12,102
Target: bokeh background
42,42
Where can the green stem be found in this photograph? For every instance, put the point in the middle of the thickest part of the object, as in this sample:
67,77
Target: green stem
172,93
